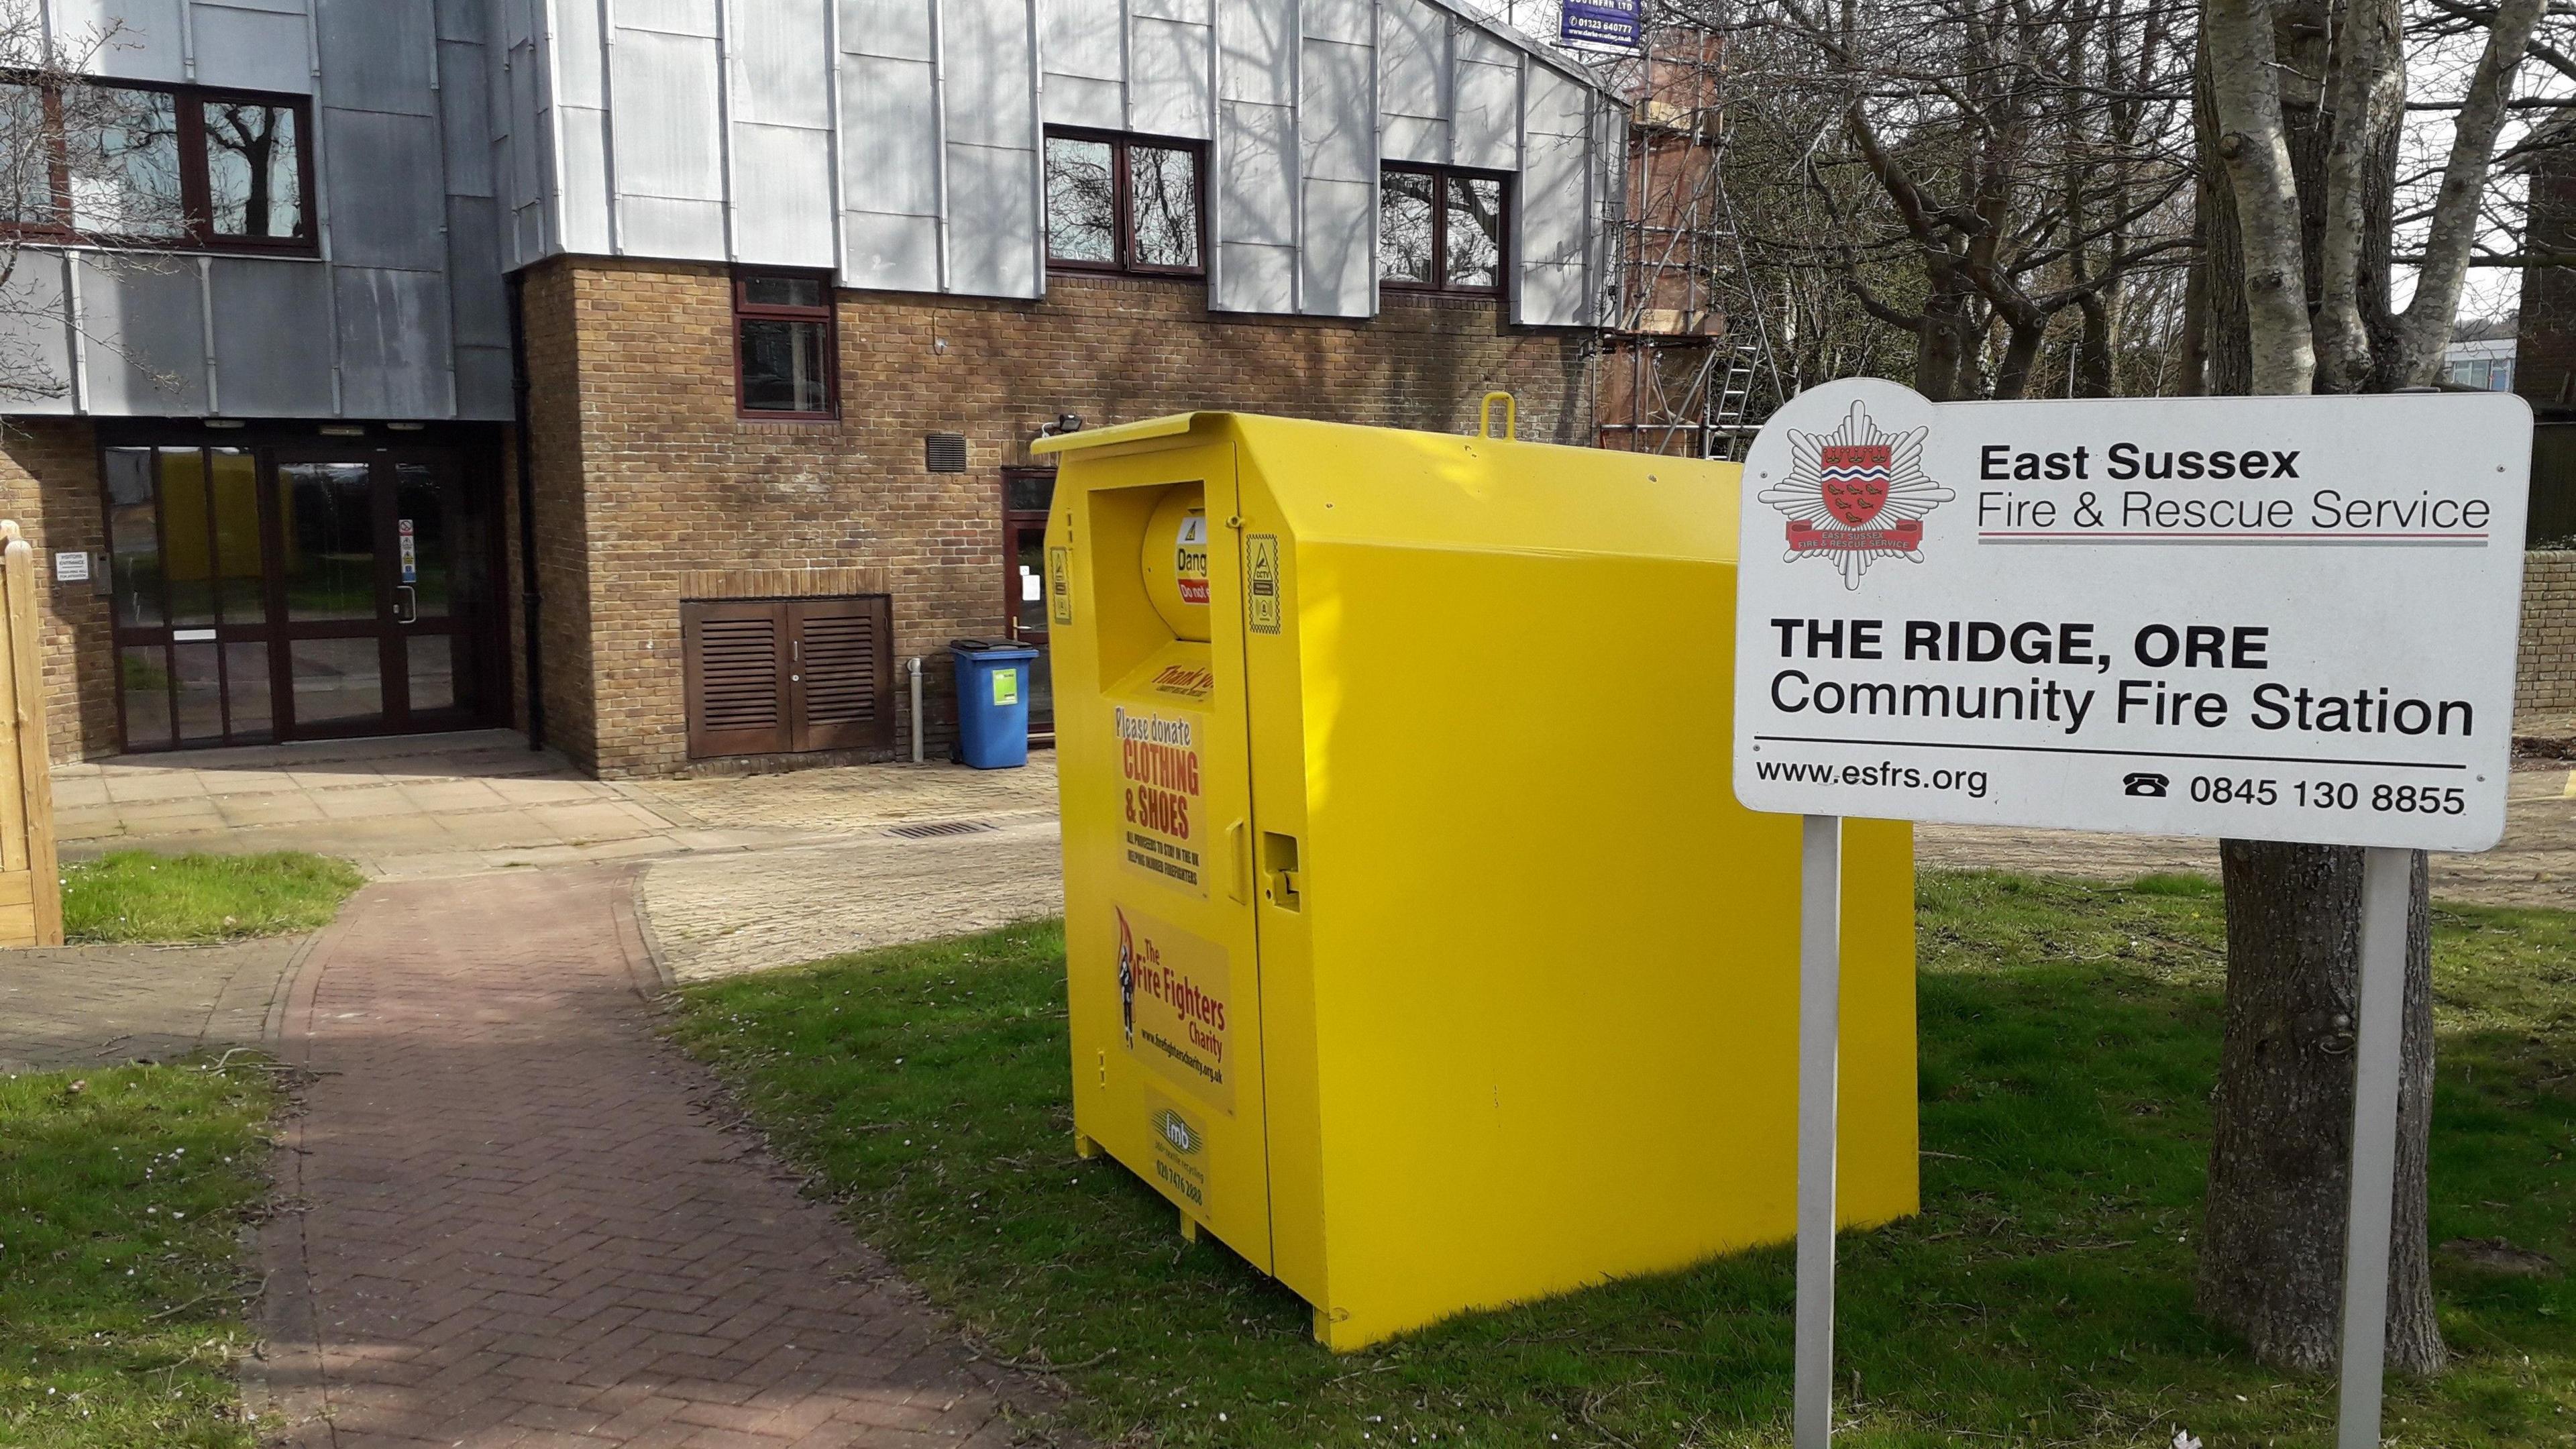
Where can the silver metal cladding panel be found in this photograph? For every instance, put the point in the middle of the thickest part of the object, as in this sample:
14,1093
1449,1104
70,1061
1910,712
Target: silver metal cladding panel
480,300
990,74
1081,38
394,342
576,69
465,117
1414,81
483,384
1073,100
666,133
890,184
990,88
1256,218
1257,51
143,343
782,73
265,49
380,182
126,39
1336,123
1485,116
783,196
272,347
896,29
35,335
997,257
466,20
702,18
664,226
890,253
1555,229
1339,258
1168,95
375,55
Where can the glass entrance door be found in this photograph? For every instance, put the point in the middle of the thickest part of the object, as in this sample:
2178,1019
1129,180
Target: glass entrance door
296,593
384,570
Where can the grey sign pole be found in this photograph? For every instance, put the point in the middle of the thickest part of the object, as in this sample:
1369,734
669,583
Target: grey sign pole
1820,969
2386,880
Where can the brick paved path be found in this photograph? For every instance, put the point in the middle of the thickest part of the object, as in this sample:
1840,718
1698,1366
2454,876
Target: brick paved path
509,1221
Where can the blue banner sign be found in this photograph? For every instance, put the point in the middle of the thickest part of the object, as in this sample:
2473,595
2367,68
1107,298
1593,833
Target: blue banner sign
1612,24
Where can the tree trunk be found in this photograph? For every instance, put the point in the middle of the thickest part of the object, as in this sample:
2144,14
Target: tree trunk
2280,1159
2271,1258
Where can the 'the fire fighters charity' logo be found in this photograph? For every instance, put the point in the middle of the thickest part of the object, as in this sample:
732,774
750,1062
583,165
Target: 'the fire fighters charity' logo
1127,976
1856,495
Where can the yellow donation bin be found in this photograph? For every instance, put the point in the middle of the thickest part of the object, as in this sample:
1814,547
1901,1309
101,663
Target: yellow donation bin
1417,946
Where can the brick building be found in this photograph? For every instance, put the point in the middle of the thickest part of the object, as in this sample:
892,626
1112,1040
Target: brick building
695,334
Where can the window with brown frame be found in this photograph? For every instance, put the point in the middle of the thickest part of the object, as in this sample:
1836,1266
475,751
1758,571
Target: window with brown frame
180,166
1440,230
784,346
1118,203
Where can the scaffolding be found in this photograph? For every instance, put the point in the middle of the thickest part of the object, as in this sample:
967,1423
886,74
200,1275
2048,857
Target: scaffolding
1686,366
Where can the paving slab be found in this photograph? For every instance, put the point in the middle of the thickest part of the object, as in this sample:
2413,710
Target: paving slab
514,1216
77,1006
724,915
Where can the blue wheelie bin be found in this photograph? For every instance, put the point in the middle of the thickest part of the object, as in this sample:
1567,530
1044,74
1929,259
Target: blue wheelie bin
992,702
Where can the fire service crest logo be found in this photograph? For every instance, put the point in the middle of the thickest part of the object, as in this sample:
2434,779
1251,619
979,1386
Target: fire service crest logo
1856,495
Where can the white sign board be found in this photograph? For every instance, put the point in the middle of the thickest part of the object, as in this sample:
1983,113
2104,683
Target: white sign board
2273,618
71,566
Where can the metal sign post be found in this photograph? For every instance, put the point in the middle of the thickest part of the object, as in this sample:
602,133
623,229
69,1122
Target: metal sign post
1820,984
2286,619
2386,878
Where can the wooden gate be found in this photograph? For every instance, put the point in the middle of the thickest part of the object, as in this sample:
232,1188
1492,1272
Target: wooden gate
31,895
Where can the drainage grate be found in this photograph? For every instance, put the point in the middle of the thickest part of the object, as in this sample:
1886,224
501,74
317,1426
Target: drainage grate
931,829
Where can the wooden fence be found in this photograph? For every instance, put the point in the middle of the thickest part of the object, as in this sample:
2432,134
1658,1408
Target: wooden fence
31,894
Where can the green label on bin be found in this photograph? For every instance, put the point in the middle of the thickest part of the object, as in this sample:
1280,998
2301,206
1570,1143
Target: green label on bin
1006,686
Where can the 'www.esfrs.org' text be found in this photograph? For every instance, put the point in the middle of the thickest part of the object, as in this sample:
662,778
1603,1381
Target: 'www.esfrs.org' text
1894,776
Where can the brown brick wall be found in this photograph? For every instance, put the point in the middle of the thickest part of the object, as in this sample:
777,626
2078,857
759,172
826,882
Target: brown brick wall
559,421
2547,675
645,474
49,484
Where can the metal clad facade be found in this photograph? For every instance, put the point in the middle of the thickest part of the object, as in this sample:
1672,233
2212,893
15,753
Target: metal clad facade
897,143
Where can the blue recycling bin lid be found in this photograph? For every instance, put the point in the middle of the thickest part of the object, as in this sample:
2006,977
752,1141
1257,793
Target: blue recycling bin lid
996,649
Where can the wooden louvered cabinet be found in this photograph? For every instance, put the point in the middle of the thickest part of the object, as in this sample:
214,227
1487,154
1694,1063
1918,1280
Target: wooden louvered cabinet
780,676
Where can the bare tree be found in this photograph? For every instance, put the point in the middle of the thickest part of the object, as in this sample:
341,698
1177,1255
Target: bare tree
1974,175
83,166
2305,202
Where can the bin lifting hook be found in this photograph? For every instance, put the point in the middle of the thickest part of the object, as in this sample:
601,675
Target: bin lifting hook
1485,416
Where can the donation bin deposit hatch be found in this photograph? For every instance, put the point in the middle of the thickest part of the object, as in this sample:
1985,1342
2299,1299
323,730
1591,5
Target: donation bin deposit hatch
1417,947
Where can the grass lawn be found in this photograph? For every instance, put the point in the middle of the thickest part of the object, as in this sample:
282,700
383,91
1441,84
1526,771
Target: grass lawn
2069,1035
135,895
122,1279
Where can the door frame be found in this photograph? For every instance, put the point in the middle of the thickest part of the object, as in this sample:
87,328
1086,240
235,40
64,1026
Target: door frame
1017,521
469,454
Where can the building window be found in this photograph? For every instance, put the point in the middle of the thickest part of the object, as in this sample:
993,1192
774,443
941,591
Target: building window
180,166
1440,231
1123,203
783,344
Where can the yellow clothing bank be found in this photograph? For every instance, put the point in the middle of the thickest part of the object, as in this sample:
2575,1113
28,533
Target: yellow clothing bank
1418,949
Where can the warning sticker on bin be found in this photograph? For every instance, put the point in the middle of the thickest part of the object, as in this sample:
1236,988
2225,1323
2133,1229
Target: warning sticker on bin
1190,558
1161,828
1173,990
1261,581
